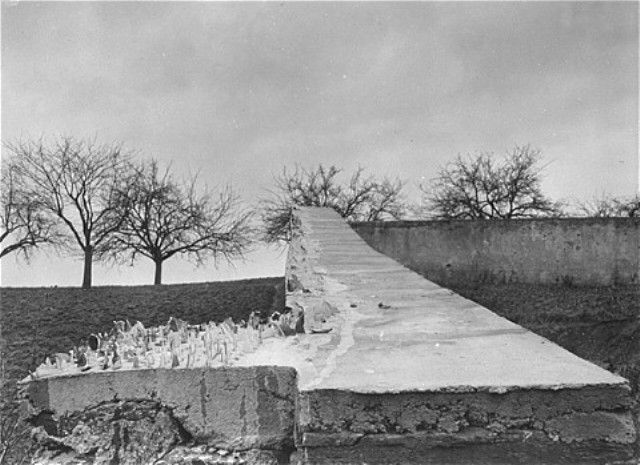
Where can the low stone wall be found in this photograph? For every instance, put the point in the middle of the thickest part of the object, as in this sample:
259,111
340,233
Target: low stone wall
257,415
583,251
589,425
143,415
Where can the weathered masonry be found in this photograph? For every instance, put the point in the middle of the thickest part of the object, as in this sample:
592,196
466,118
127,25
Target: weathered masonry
589,251
391,368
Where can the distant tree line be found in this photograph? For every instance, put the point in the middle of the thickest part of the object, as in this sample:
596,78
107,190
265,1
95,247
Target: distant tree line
484,186
98,201
610,206
474,187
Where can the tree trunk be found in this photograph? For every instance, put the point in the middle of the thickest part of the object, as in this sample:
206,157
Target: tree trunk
88,262
157,280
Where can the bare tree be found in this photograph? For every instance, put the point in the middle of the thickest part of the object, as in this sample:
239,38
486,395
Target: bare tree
610,206
481,188
24,223
79,182
166,218
363,198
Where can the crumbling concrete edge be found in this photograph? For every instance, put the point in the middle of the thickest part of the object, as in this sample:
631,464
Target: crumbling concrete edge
300,274
594,422
453,415
231,408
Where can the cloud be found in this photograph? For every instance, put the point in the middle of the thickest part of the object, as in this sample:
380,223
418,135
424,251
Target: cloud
236,90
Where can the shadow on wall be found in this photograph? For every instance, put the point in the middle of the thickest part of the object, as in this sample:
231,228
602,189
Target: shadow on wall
566,251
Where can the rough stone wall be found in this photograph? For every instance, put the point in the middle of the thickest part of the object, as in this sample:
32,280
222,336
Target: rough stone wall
525,426
161,416
582,251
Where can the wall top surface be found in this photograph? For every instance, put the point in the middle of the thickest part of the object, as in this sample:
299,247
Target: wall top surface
392,330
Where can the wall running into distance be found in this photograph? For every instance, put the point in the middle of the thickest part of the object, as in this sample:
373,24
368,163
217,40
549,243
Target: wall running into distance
581,251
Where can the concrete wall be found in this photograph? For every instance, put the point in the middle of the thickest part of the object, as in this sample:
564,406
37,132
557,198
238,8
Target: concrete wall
589,251
138,416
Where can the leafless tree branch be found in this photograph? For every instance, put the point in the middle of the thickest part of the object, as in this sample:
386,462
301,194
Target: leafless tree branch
363,198
167,218
24,224
611,206
78,182
481,188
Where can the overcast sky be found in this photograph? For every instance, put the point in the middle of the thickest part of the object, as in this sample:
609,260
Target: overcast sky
237,90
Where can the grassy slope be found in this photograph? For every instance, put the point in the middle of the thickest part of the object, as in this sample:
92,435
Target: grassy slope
40,321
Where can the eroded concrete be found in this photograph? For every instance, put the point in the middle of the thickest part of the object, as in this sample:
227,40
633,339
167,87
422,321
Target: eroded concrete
231,408
411,365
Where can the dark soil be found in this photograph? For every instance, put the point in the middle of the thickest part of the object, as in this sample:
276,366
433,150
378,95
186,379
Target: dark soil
39,321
